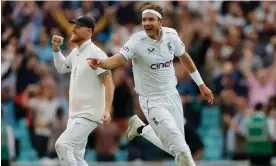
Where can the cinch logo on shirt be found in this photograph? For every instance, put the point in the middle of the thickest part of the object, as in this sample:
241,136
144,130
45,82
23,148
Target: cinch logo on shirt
160,65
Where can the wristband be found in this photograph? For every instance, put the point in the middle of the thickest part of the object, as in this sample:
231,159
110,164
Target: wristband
196,77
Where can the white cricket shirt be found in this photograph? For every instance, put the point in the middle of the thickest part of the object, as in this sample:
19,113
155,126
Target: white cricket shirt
87,93
152,61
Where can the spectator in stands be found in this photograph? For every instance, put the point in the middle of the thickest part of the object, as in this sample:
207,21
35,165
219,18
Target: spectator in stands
114,45
97,10
229,78
126,16
7,143
236,139
7,107
43,103
43,50
26,73
271,112
7,57
42,70
228,110
28,19
61,12
259,145
86,9
261,82
235,15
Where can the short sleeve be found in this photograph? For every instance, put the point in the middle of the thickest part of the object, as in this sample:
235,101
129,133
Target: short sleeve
179,46
101,55
128,50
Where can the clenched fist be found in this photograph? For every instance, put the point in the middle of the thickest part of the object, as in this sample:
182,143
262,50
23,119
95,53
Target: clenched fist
57,41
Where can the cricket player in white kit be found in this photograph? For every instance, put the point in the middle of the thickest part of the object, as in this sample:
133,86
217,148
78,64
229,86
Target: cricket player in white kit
152,52
91,92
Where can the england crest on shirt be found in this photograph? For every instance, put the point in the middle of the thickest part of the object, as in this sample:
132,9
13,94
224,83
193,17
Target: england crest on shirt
170,47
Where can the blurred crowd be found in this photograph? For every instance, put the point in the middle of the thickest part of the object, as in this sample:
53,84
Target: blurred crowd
233,44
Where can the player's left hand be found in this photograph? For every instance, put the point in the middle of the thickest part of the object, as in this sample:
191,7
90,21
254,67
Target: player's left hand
206,93
106,117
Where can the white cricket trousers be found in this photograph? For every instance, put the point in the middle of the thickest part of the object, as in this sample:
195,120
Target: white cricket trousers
166,129
71,144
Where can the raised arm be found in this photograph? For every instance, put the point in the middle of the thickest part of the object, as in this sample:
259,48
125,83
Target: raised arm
246,64
62,64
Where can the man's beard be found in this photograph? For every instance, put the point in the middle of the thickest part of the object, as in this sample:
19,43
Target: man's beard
75,39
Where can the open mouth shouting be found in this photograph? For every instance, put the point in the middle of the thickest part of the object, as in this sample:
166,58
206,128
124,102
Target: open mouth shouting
148,29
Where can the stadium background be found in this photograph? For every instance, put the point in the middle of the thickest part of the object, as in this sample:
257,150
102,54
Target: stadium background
227,40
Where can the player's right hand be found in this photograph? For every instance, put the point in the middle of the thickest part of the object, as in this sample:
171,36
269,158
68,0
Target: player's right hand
94,63
106,117
57,41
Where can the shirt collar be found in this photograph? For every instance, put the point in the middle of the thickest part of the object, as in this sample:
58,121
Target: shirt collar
83,45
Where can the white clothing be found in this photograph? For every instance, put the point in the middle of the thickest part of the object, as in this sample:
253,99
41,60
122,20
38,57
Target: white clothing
166,129
155,82
45,111
11,142
272,127
170,103
87,93
7,59
152,61
239,119
71,144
